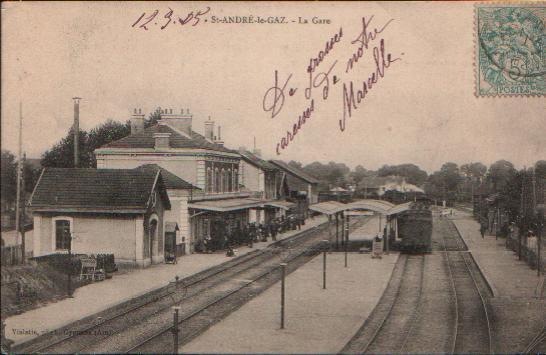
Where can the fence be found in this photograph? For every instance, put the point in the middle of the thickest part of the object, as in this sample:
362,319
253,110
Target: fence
528,250
11,255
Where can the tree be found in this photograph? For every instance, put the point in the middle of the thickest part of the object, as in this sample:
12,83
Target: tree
474,170
9,177
153,118
295,164
412,173
61,155
103,134
450,176
540,169
329,174
445,183
500,173
359,173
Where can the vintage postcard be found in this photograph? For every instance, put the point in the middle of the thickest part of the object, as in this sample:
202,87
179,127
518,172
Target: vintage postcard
273,177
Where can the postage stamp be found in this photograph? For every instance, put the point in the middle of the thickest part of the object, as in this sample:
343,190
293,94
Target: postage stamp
510,58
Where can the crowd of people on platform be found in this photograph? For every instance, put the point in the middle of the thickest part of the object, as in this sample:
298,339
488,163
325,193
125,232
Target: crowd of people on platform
249,234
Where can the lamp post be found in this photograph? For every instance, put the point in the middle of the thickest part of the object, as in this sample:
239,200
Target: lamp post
346,239
175,330
325,243
540,210
283,271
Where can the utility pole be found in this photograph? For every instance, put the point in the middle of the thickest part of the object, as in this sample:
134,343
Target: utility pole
19,172
23,210
76,130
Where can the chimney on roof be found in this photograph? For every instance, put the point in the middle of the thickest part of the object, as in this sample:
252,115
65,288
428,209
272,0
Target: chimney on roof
257,152
137,121
209,129
161,140
180,122
218,140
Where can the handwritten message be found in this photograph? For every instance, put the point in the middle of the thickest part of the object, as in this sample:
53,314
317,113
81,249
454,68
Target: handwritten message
321,78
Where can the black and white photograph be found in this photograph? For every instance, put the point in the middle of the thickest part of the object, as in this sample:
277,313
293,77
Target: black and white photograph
283,177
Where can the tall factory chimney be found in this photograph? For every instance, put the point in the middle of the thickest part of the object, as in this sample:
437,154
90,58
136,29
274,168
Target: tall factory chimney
76,130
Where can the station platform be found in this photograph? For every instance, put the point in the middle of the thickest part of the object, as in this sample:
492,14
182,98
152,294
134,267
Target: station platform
316,320
96,297
508,276
519,300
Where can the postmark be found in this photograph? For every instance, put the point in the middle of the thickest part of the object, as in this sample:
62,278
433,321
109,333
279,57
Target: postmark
510,58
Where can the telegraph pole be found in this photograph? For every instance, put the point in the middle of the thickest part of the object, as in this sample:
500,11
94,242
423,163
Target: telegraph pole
23,213
76,130
19,172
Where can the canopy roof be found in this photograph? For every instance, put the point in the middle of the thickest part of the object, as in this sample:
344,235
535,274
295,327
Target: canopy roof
379,206
285,205
227,205
328,208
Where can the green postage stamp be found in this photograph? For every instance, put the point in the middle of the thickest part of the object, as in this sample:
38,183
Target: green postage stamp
510,58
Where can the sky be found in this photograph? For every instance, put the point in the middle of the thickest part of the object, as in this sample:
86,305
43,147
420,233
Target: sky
423,110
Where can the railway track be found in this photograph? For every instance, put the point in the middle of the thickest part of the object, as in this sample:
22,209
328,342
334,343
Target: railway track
537,344
397,323
472,328
389,326
153,310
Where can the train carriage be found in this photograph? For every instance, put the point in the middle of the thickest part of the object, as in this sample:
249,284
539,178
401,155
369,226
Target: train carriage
415,230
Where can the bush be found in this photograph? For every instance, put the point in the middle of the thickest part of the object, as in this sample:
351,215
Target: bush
61,263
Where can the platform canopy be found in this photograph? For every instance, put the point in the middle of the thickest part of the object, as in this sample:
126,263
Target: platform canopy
328,208
226,205
379,206
399,208
371,205
283,204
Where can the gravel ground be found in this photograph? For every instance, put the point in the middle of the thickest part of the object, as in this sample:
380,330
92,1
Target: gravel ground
516,322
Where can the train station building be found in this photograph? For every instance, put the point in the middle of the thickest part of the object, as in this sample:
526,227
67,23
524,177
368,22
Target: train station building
212,189
101,211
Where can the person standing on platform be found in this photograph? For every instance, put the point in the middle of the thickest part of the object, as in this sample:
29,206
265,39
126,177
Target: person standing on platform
274,229
251,235
483,228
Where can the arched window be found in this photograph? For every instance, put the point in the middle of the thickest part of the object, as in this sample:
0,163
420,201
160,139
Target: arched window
226,181
209,181
222,181
235,180
217,181
229,180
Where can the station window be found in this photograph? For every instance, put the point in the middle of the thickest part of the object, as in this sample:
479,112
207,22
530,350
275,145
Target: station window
217,181
208,182
62,234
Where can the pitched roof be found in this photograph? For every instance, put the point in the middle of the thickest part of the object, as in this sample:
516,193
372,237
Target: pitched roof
295,171
171,180
145,139
97,190
257,161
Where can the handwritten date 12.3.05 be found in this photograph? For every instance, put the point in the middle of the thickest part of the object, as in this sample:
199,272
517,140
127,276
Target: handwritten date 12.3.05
192,18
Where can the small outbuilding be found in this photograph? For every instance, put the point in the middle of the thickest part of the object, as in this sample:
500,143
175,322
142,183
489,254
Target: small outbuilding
94,211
